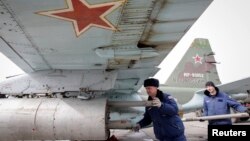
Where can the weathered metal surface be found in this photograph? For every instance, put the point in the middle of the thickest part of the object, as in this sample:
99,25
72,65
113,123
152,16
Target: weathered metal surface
53,119
59,81
46,42
137,34
130,103
237,115
173,20
120,124
126,53
19,42
134,17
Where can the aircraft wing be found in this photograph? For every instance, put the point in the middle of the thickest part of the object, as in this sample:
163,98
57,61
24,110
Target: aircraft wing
234,87
130,36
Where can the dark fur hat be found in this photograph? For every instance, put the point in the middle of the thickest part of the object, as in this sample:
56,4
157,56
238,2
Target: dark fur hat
210,83
151,82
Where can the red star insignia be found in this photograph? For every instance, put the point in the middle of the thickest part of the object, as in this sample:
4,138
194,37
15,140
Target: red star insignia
197,59
84,16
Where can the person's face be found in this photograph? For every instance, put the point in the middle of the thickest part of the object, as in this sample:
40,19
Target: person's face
211,90
151,90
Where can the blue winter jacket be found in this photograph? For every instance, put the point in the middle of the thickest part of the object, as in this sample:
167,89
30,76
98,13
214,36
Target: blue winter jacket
166,121
218,105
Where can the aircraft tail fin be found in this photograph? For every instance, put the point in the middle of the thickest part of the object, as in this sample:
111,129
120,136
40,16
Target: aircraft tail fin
196,67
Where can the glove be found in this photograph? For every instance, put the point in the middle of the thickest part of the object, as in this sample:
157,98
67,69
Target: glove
136,128
201,120
156,102
248,111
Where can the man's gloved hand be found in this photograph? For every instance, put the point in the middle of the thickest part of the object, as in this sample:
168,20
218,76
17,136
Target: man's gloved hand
156,102
248,111
136,128
201,120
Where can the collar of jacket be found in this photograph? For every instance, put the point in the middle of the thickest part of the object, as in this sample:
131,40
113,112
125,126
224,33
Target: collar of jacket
159,95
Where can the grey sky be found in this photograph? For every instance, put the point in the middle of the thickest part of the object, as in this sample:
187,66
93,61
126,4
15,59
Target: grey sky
225,23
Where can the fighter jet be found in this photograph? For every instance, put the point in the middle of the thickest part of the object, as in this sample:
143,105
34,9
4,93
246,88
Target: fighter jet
79,58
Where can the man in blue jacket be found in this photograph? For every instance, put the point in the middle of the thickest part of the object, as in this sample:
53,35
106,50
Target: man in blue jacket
167,124
218,103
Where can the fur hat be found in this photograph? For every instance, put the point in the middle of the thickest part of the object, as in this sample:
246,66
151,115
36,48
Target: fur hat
210,83
151,82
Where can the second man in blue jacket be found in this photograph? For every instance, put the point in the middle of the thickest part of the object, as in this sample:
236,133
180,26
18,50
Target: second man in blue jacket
219,103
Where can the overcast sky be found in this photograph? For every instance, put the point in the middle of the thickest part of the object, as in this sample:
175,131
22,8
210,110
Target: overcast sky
226,23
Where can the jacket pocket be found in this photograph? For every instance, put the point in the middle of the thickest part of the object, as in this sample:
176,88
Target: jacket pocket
172,129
